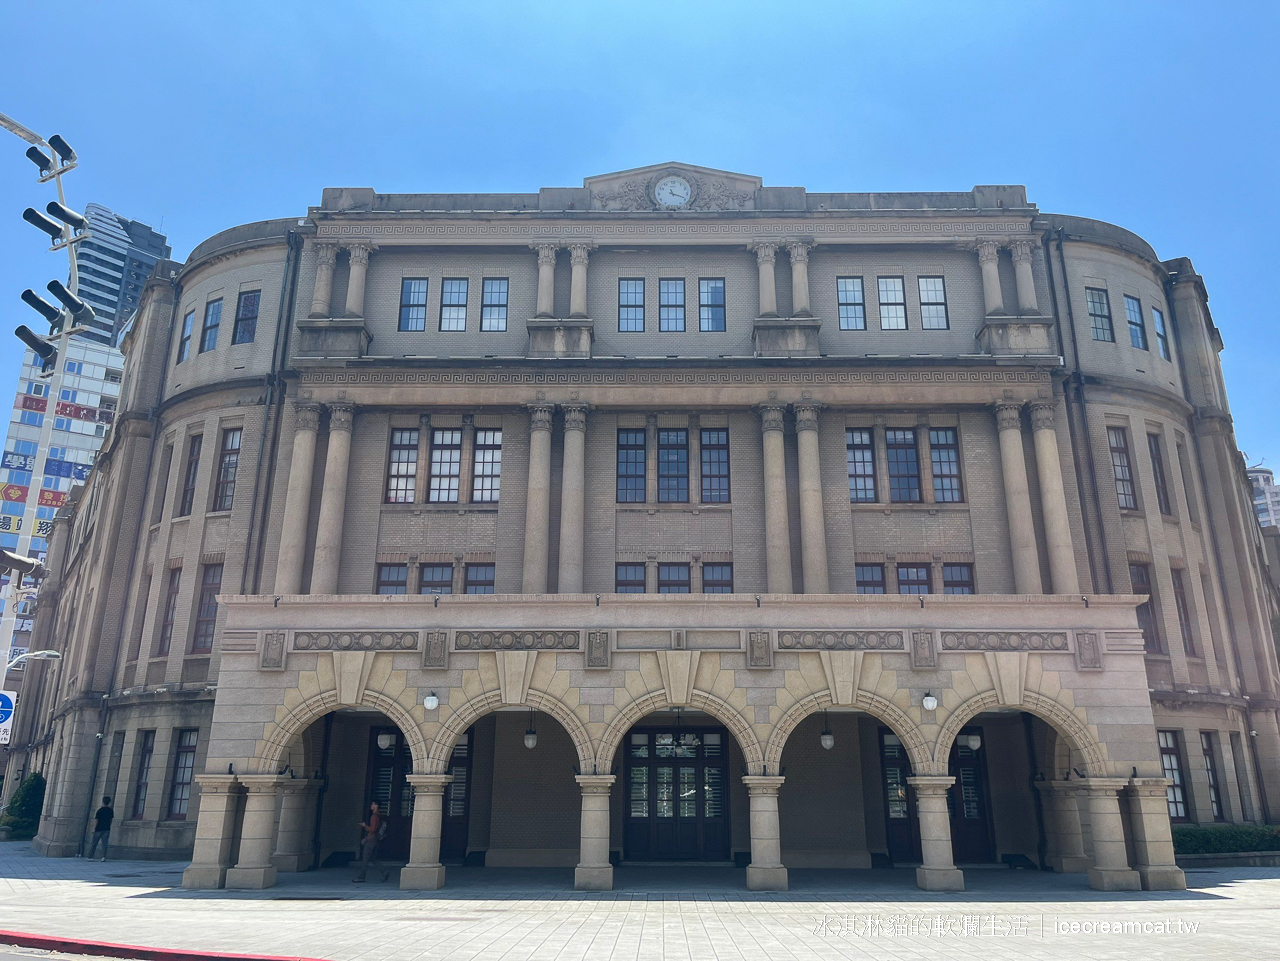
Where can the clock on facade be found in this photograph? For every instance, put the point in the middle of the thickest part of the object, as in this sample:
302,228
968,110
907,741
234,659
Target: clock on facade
672,192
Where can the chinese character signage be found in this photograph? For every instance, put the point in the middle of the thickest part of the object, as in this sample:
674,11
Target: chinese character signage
50,498
18,461
34,403
9,524
8,699
15,492
79,411
44,528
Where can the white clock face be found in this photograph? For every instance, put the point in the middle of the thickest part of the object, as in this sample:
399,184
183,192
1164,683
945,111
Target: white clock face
672,191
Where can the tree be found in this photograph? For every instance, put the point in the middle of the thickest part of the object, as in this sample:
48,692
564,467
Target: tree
22,816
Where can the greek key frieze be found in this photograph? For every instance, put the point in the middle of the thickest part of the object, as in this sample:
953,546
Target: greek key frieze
840,641
355,641
1004,641
517,640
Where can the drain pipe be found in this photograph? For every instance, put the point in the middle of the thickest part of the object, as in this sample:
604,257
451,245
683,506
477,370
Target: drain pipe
322,776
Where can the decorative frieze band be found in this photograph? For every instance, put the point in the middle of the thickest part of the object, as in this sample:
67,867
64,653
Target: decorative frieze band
840,641
517,640
1004,641
355,640
659,378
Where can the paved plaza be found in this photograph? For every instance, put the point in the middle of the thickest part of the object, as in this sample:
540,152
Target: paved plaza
684,913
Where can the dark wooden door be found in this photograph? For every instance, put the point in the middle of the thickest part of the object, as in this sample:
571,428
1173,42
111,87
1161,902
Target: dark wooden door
389,762
677,806
971,836
901,824
457,802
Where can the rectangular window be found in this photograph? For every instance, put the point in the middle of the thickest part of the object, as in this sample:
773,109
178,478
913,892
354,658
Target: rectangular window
673,578
184,339
631,305
165,639
631,466
1162,335
486,475
904,465
479,579
435,579
933,303
162,487
717,578
190,475
402,467
209,329
893,303
1184,611
184,769
246,325
1211,771
146,750
1123,468
413,303
1140,576
1187,486
869,578
446,464
224,491
711,303
671,304
453,303
1171,760
957,579
1099,314
1137,329
673,466
715,465
628,578
944,453
493,303
207,612
851,304
393,579
1158,474
913,579
860,456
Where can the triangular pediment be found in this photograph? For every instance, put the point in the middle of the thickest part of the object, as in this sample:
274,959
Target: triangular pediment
709,189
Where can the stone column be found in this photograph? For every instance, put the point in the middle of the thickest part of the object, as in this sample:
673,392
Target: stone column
254,870
594,872
424,872
777,534
1152,836
799,252
937,871
546,279
297,500
1110,871
573,484
1017,497
880,445
537,517
766,255
989,262
297,823
651,459
695,459
355,283
1065,839
215,828
813,530
1053,502
333,502
924,452
1024,278
322,294
765,872
578,255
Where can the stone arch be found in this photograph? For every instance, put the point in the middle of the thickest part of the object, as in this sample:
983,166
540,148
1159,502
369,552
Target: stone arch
437,758
878,707
718,708
280,734
1062,720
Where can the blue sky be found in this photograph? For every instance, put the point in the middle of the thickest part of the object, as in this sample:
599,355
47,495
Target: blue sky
195,116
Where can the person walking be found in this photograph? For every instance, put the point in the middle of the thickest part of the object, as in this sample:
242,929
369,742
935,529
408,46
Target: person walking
374,831
102,819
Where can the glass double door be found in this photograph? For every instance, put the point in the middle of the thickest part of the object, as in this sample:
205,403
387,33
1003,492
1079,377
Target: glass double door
676,807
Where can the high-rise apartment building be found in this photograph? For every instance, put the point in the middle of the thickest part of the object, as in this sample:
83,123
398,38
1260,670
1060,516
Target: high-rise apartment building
114,264
1266,496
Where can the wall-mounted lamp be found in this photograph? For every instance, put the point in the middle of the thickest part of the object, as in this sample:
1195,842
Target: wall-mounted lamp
431,702
929,702
385,741
972,741
826,738
531,736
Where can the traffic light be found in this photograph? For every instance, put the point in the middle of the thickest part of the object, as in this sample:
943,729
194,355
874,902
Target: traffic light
22,565
41,222
40,159
68,216
45,351
62,148
50,313
81,313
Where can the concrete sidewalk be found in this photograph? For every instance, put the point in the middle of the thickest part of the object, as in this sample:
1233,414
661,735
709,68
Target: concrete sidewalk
678,912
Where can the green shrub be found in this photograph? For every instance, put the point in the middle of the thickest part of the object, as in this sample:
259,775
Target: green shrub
22,816
1228,839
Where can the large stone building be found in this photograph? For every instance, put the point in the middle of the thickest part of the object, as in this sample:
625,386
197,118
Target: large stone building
670,517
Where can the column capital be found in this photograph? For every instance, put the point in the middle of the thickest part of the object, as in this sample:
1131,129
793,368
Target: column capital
762,784
1008,415
298,785
1042,416
262,783
766,250
306,416
326,254
428,783
546,252
218,783
575,416
341,416
771,416
540,416
595,783
360,253
807,416
579,252
988,252
1148,786
1021,250
1103,786
799,250
931,785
